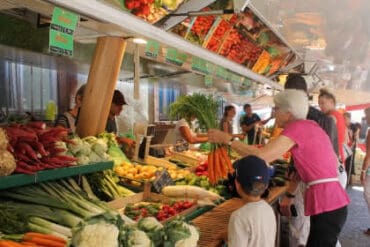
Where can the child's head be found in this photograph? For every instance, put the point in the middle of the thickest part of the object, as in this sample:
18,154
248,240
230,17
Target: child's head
252,176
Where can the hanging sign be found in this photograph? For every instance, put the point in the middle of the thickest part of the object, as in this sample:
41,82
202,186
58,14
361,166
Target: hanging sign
152,49
175,57
221,72
199,64
208,80
62,28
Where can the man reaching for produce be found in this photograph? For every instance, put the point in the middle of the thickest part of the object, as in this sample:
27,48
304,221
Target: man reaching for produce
249,121
115,109
254,224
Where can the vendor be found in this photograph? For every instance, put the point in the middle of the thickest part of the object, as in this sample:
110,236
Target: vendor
68,119
116,107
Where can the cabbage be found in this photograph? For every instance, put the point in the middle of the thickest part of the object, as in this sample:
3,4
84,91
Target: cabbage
138,238
100,147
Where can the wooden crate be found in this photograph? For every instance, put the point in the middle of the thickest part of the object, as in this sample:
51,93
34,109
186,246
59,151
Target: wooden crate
148,196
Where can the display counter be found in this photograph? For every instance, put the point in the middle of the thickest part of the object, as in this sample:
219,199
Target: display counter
213,224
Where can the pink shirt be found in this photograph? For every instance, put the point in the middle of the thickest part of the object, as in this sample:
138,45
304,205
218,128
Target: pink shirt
314,159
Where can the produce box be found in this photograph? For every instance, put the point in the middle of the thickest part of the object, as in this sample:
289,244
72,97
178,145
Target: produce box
152,204
136,174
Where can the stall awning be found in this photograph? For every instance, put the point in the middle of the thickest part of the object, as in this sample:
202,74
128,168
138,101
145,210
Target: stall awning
357,107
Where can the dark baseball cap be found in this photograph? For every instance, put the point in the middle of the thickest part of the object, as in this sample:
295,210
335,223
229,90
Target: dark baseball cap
118,98
251,169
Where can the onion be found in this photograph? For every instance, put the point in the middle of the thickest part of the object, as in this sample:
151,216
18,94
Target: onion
7,163
3,139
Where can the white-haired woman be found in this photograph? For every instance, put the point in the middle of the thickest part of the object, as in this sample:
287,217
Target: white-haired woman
315,161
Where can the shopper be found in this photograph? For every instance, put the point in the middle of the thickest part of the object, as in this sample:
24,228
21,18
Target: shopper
315,161
255,223
299,226
68,119
249,122
365,172
183,132
349,144
226,123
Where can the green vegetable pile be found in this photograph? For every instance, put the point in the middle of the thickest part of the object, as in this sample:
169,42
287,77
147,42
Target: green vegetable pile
203,107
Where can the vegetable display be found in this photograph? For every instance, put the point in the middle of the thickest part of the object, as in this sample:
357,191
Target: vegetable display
36,148
161,211
33,239
189,191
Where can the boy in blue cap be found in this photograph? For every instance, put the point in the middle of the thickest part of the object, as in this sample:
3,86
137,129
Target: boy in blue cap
254,224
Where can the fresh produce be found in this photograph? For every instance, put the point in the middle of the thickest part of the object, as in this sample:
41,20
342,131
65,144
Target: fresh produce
216,39
3,140
147,172
153,229
161,211
7,163
180,234
97,231
262,63
36,148
104,185
205,108
151,10
189,191
34,239
130,236
202,170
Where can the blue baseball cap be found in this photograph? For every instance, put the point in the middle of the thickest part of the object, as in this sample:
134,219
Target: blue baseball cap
251,169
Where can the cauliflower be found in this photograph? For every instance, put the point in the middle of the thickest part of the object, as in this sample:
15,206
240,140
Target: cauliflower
100,147
7,163
78,146
154,229
99,233
139,239
190,241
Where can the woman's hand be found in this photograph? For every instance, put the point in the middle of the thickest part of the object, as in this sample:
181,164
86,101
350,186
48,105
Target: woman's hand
218,136
285,205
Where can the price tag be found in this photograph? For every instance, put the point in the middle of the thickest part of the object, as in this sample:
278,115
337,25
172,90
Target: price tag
208,80
162,180
199,64
62,28
175,57
221,72
152,49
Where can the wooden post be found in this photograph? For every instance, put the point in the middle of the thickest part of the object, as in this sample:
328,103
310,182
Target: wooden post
103,76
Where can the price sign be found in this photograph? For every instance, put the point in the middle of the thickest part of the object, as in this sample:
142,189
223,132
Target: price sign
208,80
175,57
162,180
62,28
199,64
221,72
152,49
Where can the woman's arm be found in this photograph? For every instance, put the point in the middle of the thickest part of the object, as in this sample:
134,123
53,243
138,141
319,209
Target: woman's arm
272,151
189,137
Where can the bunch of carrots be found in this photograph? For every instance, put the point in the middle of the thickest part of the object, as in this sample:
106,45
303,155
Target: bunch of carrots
219,164
34,239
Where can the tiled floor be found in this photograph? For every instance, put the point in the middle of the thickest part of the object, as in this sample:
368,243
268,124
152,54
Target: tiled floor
358,220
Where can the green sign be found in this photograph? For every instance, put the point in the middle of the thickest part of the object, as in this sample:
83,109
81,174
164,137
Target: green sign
199,64
62,28
60,43
152,49
64,21
175,57
221,72
208,80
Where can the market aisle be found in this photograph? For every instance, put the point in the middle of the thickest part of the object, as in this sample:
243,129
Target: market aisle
358,219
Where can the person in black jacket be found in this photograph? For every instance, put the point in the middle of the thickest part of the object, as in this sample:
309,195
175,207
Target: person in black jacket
300,225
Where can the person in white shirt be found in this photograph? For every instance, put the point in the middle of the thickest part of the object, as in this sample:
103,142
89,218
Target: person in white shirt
254,224
183,132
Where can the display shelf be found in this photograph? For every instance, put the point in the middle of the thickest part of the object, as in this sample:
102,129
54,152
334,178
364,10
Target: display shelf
47,175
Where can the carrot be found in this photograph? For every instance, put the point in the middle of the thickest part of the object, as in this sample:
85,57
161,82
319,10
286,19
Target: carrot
9,243
217,166
30,244
211,167
45,242
42,235
227,160
223,169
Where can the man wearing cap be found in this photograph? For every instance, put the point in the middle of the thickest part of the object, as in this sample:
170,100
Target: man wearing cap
254,224
115,109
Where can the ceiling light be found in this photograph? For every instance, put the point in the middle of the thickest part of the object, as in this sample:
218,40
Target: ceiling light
139,41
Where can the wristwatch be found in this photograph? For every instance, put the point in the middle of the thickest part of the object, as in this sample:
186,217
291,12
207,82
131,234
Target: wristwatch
230,142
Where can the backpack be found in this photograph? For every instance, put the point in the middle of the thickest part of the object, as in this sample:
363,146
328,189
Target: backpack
327,124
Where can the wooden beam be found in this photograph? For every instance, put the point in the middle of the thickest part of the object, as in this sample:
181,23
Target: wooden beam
100,86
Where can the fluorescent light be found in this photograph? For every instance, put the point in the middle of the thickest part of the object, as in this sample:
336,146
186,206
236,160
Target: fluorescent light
139,41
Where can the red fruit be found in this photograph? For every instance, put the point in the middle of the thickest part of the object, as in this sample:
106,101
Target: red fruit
145,10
